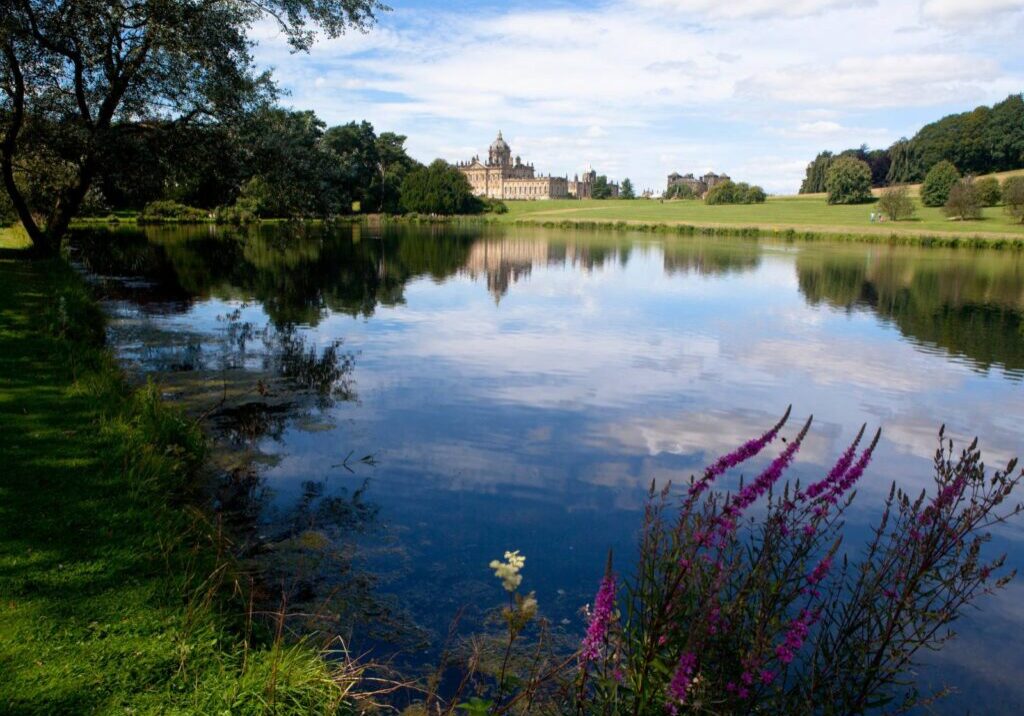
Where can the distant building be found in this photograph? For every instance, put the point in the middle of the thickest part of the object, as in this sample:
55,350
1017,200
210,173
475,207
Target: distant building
502,177
700,186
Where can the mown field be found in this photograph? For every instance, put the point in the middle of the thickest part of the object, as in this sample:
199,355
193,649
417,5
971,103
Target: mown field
802,213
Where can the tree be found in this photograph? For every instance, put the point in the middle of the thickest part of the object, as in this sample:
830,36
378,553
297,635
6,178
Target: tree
814,181
848,181
988,191
626,191
938,182
755,195
439,189
394,164
600,189
896,203
964,201
680,191
74,72
1013,197
721,193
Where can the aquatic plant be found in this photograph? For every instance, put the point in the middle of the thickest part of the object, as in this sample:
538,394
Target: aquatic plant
749,601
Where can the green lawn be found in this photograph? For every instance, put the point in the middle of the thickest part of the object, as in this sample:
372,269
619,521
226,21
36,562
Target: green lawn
805,213
107,601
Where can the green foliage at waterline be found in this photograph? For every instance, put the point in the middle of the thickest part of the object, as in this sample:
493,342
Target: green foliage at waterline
115,596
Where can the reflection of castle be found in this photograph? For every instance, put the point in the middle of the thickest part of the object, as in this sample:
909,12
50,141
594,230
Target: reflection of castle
504,178
506,261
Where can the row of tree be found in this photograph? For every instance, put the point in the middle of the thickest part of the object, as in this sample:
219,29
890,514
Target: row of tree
982,141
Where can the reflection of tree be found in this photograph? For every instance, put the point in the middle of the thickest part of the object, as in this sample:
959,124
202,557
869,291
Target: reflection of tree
709,257
967,305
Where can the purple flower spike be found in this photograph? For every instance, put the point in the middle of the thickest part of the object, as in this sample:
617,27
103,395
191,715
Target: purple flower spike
600,619
726,522
741,454
680,683
838,470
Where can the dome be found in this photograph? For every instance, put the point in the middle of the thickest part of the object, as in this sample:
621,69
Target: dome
499,144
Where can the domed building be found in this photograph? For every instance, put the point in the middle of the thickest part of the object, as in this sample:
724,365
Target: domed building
505,177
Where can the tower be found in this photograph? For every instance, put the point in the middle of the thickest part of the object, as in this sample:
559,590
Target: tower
500,154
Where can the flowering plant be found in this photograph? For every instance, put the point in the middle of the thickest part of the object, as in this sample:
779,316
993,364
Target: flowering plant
735,609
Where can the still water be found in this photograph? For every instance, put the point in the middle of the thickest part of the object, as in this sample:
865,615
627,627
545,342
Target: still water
424,399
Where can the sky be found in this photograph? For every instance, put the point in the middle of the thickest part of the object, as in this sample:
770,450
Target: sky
642,88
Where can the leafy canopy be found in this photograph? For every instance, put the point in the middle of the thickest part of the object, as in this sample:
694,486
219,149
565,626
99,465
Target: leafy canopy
848,181
940,179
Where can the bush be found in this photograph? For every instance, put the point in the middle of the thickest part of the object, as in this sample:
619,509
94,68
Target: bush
938,182
964,201
158,212
679,191
848,181
245,210
1013,197
729,192
495,206
439,189
988,191
896,203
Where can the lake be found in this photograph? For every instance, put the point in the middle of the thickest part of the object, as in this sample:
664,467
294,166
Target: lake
410,402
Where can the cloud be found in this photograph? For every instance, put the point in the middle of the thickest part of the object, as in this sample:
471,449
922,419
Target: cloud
959,11
757,9
877,82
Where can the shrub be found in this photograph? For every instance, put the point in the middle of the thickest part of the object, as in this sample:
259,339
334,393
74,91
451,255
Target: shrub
988,191
938,182
495,206
848,181
729,192
1013,197
680,191
158,212
896,203
439,189
755,195
964,201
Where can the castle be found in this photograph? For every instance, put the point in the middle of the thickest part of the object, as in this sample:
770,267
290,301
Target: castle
504,178
699,186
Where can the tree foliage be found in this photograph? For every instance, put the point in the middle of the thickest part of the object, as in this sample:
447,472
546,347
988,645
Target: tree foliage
848,181
601,188
964,201
74,74
1013,197
729,192
896,204
626,191
939,180
439,189
988,191
679,191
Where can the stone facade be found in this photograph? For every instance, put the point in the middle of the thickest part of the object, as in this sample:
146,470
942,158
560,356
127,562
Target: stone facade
505,177
701,185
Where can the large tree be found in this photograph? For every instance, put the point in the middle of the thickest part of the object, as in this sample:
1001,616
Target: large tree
75,73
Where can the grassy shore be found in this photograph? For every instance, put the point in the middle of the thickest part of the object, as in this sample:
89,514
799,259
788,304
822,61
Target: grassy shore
115,596
802,216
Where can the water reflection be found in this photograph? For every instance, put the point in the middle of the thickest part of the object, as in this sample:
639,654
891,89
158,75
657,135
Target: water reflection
519,389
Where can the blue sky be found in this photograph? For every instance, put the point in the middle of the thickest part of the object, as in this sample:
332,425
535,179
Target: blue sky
641,88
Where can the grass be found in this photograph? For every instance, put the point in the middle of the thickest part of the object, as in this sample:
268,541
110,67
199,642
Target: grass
809,215
113,595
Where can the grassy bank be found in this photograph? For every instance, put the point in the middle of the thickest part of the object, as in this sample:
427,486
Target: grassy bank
114,596
805,217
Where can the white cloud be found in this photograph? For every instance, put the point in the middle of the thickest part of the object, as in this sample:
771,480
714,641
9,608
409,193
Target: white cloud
754,8
956,11
877,82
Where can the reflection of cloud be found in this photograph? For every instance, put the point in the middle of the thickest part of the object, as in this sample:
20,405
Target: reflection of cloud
861,363
707,433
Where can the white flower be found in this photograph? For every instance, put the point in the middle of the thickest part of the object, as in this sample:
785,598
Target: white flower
508,571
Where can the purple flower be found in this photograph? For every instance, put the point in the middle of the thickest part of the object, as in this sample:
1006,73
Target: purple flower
726,522
819,572
838,470
681,680
795,636
600,620
741,454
